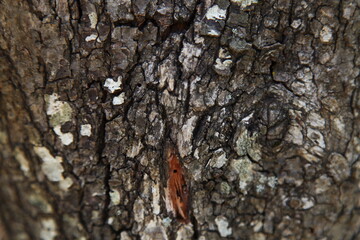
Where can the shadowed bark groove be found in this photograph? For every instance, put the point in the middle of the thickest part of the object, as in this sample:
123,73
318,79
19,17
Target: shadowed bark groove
259,97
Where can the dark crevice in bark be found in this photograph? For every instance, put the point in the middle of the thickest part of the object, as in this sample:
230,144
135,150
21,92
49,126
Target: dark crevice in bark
181,27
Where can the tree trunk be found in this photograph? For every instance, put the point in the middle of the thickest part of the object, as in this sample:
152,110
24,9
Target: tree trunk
260,100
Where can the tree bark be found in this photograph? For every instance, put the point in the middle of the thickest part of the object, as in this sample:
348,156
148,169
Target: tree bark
259,98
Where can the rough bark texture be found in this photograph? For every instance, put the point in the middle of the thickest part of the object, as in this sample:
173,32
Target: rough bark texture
260,98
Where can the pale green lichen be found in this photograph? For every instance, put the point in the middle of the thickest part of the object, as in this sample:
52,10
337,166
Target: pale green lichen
247,174
225,188
246,143
244,168
59,112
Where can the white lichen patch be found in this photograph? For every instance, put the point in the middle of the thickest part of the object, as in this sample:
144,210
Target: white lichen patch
213,33
114,197
326,34
91,37
223,226
112,85
265,180
52,168
246,119
59,112
24,163
48,229
185,135
66,138
66,184
156,198
307,202
223,64
110,220
219,159
216,13
93,19
85,130
244,3
118,100
271,181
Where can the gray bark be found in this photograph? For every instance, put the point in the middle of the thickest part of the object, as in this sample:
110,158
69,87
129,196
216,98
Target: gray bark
260,98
